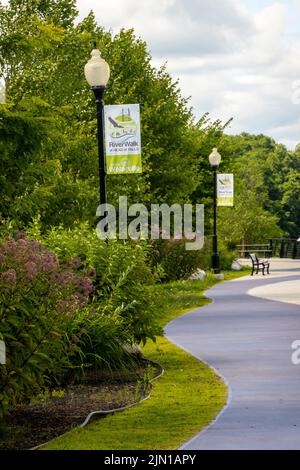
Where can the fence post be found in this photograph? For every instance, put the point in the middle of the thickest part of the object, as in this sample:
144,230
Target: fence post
271,248
295,250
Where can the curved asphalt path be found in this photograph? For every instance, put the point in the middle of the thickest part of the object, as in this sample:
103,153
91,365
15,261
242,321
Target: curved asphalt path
248,341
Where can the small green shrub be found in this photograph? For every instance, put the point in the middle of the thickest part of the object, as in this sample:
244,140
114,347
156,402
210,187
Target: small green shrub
226,259
100,340
176,262
228,254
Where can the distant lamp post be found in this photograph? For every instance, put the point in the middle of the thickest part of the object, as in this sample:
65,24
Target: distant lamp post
215,160
97,74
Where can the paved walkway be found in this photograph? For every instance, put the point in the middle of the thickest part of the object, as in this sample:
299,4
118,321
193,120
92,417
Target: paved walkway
248,339
287,291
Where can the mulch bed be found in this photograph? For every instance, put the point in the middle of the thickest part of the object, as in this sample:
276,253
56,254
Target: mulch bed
53,415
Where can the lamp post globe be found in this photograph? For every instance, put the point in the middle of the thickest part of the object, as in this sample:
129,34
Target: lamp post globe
97,73
215,160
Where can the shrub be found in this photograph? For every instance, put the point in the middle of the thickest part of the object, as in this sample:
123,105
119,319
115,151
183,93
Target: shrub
226,259
100,339
177,263
122,271
37,296
228,254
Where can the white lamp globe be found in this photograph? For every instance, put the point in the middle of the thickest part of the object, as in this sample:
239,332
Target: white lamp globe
215,158
97,71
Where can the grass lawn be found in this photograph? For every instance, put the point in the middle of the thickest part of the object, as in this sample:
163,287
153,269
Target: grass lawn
185,400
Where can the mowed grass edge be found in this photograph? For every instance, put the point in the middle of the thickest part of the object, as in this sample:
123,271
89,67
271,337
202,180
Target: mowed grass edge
183,402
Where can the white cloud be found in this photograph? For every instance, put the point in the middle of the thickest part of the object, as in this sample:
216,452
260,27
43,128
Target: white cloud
177,27
235,58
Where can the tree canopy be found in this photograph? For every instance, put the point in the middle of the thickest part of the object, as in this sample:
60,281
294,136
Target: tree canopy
48,130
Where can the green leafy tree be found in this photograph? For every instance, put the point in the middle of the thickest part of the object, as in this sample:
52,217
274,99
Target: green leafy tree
291,203
261,168
247,222
44,54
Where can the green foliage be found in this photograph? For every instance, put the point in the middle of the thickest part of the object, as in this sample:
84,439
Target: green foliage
49,181
226,259
210,134
100,340
53,328
247,221
34,66
37,296
38,39
157,423
26,176
266,190
175,261
31,143
291,202
122,274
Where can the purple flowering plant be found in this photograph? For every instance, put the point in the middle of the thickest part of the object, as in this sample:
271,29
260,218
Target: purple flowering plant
25,265
38,298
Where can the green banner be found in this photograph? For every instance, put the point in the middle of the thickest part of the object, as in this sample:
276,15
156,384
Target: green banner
120,164
123,139
225,183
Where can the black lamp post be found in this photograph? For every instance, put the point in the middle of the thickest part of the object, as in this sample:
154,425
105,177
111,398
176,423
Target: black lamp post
97,74
215,160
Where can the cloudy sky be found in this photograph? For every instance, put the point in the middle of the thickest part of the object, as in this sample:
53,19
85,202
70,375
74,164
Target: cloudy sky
235,58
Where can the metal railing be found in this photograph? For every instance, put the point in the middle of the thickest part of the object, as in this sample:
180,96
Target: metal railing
285,248
260,249
276,247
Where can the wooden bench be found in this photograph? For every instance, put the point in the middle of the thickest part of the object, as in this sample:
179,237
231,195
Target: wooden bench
259,264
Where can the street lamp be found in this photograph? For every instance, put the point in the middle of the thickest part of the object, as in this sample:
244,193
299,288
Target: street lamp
97,74
215,160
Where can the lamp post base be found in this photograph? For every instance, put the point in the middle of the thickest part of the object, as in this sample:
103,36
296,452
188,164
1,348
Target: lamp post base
215,262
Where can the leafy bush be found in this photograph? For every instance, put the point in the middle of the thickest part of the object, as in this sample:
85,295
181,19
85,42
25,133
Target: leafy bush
226,259
226,254
100,339
176,262
122,270
37,296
